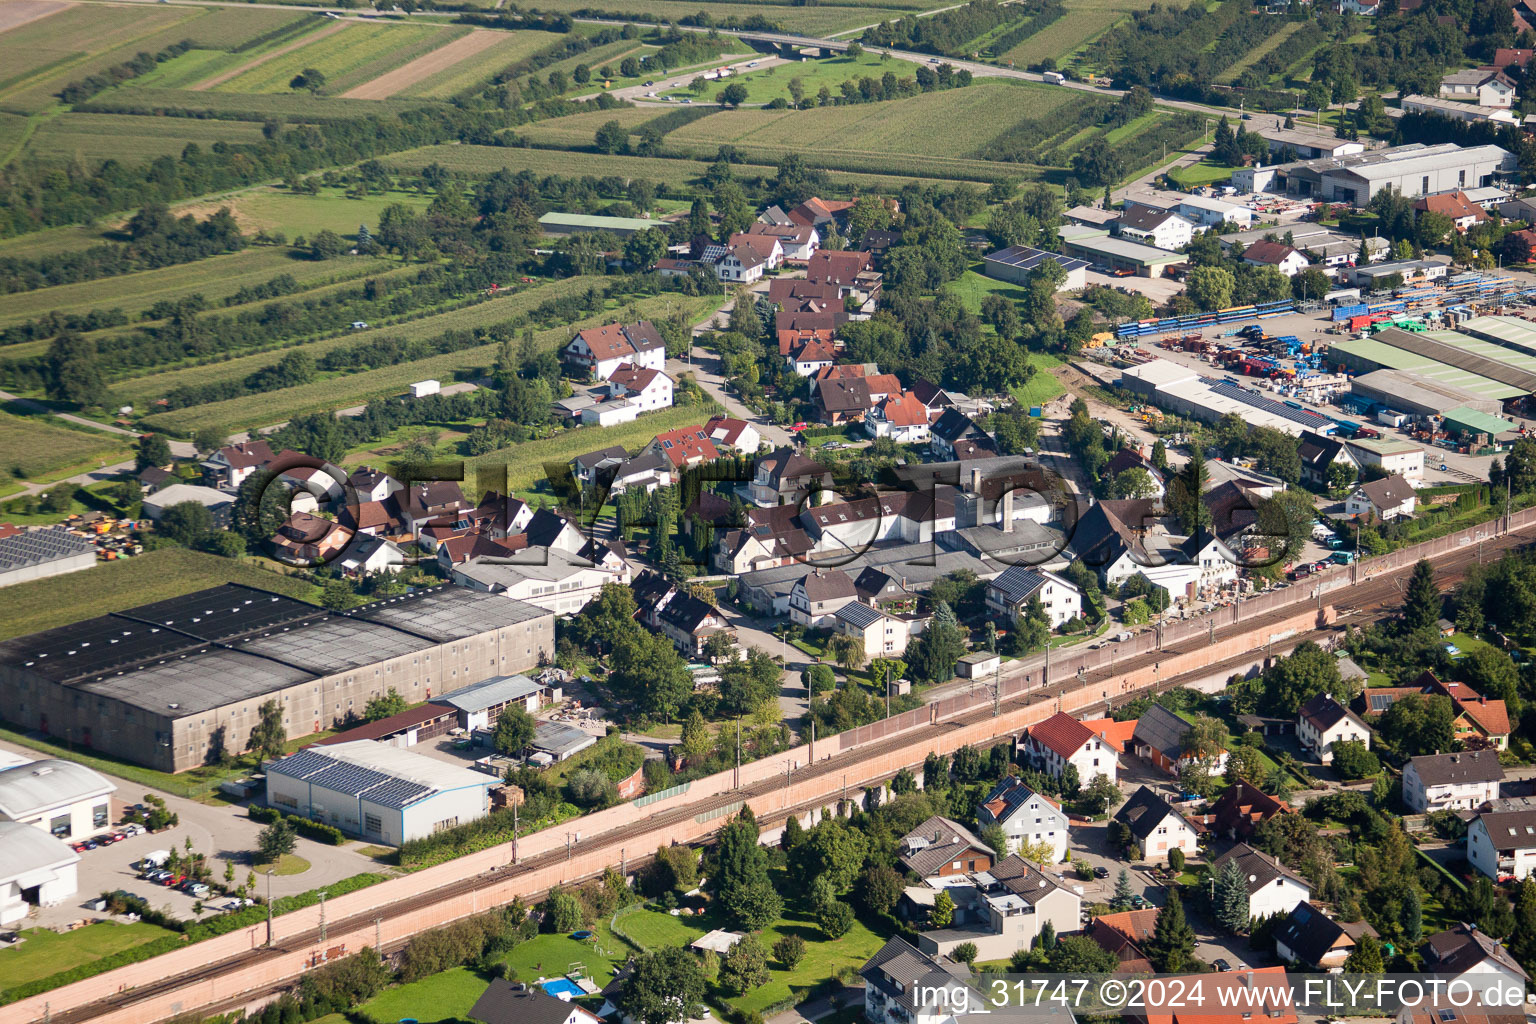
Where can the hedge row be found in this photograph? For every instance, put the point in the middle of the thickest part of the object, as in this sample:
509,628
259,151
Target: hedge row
309,828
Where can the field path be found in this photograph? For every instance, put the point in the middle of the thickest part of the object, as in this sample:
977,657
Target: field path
305,40
16,13
440,59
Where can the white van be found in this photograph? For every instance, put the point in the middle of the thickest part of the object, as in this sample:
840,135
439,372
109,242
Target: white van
153,859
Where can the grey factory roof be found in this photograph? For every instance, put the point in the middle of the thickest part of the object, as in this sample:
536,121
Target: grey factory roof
560,740
1398,389
501,690
26,851
39,785
918,564
232,643
178,494
35,547
377,772
529,564
446,613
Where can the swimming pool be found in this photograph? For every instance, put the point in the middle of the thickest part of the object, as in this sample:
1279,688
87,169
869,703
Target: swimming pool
561,987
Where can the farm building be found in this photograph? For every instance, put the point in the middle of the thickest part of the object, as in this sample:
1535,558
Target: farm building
165,684
51,551
555,223
377,791
1015,263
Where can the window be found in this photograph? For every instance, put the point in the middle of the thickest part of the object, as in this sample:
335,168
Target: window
59,825
99,816
282,800
1461,178
1424,188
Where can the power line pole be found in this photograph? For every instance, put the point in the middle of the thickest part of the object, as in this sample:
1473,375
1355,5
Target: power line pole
322,916
269,908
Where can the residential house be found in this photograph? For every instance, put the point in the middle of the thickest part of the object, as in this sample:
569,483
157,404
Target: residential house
815,355
786,477
1462,211
647,471
1282,257
1240,809
741,264
941,847
1242,996
851,271
765,247
1162,229
1311,938
1026,817
1318,454
883,636
796,241
598,352
1273,888
1506,57
1485,86
731,434
689,622
772,538
900,417
1126,935
1482,723
152,478
1457,781
505,1002
369,555
1156,826
1010,593
1502,844
1062,740
646,388
684,447
422,502
1471,956
1131,458
1323,721
229,467
818,595
1004,910
1159,738
894,976
589,469
307,539
820,213
1386,499
949,429
1361,7
841,400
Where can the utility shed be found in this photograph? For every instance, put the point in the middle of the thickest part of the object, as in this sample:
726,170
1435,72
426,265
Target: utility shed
1472,421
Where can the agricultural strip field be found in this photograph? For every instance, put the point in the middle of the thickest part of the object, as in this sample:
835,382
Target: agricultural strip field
18,12
812,21
363,50
576,131
31,448
132,139
113,586
251,411
244,64
213,278
141,390
441,59
484,160
40,57
295,106
831,72
505,49
1258,53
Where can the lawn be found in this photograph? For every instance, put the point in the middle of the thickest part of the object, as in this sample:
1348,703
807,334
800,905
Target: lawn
271,208
829,72
1206,172
35,449
47,952
113,586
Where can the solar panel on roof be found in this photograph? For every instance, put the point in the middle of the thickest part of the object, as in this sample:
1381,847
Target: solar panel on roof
1241,394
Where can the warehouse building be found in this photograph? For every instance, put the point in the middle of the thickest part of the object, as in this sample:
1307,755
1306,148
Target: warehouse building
1365,355
1179,389
377,791
1414,170
1389,456
35,870
173,684
1015,263
574,223
479,706
1114,254
36,554
1418,396
64,799
218,503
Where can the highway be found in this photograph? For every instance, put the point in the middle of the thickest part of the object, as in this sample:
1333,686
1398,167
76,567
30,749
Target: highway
1376,596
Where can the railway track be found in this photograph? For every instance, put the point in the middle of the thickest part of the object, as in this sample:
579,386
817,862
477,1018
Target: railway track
1362,602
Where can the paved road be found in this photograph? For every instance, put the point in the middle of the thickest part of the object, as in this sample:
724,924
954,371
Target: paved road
705,366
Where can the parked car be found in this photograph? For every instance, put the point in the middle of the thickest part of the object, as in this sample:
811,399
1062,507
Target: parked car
173,881
1221,964
1101,872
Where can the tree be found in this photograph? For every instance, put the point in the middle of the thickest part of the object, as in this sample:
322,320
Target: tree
1295,679
188,523
1352,759
1078,955
1230,897
1487,907
745,967
832,850
739,878
733,95
879,888
696,740
384,705
1421,604
269,737
994,836
73,374
629,67
1416,725
1246,763
847,651
965,953
611,138
942,915
564,911
1101,794
1184,499
789,951
154,450
1176,860
1210,288
326,245
312,79
665,986
836,919
337,595
1173,941
1368,957
1123,897
276,840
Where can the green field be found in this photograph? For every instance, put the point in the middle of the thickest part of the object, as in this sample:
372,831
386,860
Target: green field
577,130
270,208
295,106
356,51
213,278
141,390
507,50
131,139
112,586
525,462
48,952
358,388
1258,53
831,72
31,448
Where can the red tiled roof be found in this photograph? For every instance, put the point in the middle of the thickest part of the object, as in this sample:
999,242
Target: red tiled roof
1061,733
840,268
247,454
1490,716
1116,734
903,410
685,445
1505,57
1265,251
1454,205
